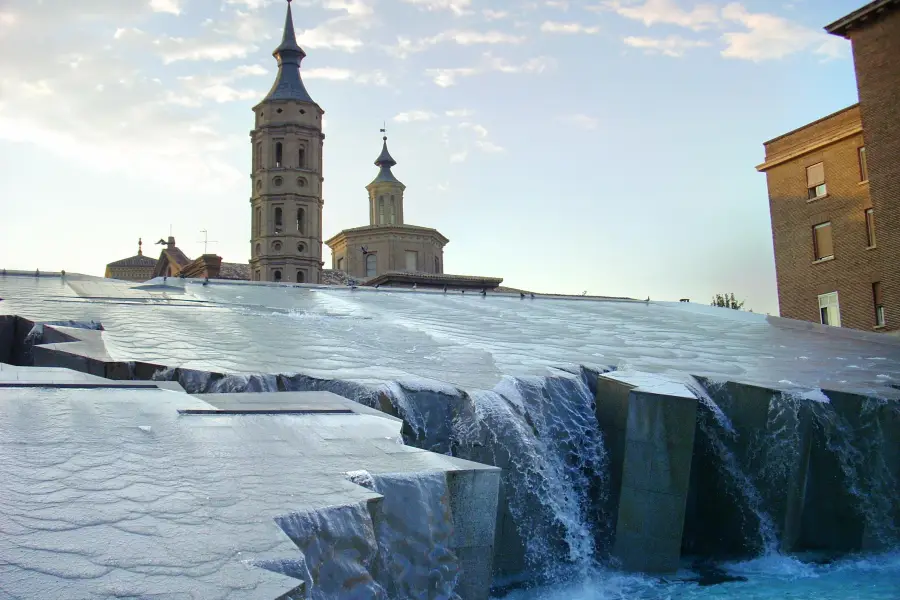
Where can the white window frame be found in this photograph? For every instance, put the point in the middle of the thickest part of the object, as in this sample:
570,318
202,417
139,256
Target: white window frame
827,302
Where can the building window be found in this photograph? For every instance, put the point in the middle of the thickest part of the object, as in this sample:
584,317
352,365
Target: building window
301,158
301,277
276,276
258,221
437,265
279,224
863,165
256,275
823,246
381,210
829,309
371,265
393,211
412,261
301,248
815,181
301,220
340,264
870,227
879,304
278,154
258,160
258,250
276,246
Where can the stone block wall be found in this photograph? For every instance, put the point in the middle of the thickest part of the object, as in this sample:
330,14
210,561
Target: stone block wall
655,448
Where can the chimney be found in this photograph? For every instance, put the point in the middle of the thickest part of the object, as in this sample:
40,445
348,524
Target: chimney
171,243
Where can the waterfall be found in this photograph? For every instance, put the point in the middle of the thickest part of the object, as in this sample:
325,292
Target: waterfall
719,438
542,432
858,449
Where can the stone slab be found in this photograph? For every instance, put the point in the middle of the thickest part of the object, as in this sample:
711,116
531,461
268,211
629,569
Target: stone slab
210,490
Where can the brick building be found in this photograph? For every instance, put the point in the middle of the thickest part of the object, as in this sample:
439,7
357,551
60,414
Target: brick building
834,191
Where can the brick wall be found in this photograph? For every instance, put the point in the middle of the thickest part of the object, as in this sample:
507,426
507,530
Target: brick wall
876,54
854,268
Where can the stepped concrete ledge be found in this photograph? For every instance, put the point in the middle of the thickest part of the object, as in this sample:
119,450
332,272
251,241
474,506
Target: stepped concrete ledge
648,422
210,505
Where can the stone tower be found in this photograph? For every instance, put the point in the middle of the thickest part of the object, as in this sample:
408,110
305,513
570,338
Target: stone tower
286,202
385,192
387,244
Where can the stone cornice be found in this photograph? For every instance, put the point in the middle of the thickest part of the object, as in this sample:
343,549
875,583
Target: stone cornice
826,140
386,231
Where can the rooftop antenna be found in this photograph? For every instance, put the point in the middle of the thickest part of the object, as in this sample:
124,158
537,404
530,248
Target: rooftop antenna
206,241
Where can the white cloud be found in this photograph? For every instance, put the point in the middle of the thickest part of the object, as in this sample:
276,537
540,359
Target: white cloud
249,4
442,187
122,32
449,77
414,115
458,157
488,146
335,74
166,6
556,27
180,49
215,88
652,12
457,7
7,18
581,121
672,45
771,37
330,35
460,113
494,15
355,8
560,4
479,130
406,46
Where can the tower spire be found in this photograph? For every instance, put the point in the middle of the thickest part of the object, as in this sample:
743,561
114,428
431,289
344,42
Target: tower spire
385,161
140,247
288,85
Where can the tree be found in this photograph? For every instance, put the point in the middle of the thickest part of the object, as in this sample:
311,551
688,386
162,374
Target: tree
727,301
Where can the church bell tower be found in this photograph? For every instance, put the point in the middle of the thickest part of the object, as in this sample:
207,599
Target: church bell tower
286,201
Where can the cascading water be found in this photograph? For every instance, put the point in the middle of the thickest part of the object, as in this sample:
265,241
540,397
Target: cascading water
543,433
718,437
858,450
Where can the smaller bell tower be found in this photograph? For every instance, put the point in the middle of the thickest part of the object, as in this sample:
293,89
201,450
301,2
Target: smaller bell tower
286,201
385,191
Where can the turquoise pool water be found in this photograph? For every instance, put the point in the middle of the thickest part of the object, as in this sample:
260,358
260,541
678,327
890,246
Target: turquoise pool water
873,577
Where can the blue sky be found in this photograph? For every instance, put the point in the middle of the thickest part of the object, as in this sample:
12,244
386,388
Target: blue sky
605,146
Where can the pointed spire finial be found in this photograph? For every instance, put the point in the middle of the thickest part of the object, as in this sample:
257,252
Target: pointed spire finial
288,84
140,249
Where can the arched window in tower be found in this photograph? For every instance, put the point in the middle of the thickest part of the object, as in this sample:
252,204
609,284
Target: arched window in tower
276,276
301,158
258,161
371,265
258,221
258,250
301,277
393,210
381,210
278,220
278,155
301,221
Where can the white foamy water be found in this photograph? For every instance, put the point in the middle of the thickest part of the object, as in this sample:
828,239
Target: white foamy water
773,577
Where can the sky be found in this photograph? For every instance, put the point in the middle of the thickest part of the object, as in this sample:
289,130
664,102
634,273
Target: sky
605,146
